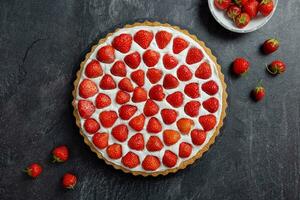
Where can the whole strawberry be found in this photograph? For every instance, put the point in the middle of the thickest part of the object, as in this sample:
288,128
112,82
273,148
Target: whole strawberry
276,67
240,66
271,45
34,170
69,181
60,154
258,93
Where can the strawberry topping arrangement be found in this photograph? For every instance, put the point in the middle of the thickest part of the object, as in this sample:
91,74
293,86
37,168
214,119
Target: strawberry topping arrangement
241,12
148,99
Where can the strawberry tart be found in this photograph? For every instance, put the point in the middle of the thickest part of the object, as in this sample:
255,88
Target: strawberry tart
149,99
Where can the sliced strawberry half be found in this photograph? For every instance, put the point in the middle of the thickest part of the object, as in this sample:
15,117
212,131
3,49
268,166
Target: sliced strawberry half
154,144
179,45
194,55
163,38
171,137
150,108
106,54
93,69
154,75
102,100
126,85
211,104
170,81
208,122
108,118
175,99
122,42
114,151
185,150
198,136
192,90
131,160
203,71
210,87
170,61
118,69
184,73
133,60
169,116
154,126
136,142
157,93
138,77
192,108
85,108
91,125
120,132
127,111
87,88
122,97
137,123
107,82
100,140
151,163
139,95
143,38
151,58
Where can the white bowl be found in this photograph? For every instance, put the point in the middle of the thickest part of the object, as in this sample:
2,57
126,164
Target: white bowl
226,22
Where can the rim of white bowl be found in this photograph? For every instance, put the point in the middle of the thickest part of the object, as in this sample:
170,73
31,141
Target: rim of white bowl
235,29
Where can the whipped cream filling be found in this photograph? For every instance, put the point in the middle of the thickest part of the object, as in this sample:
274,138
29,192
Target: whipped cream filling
162,104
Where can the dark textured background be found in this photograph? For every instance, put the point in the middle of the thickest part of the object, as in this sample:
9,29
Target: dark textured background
256,156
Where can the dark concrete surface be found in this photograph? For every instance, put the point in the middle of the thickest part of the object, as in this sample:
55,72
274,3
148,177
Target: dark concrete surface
256,156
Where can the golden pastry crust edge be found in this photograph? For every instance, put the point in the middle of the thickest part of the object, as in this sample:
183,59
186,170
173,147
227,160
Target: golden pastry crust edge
199,154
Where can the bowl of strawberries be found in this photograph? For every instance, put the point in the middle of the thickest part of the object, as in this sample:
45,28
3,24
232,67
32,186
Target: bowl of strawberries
242,16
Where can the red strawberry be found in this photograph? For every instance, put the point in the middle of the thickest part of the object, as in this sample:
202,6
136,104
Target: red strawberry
114,151
233,11
266,7
93,69
169,116
157,93
118,69
150,108
169,61
222,4
270,45
108,118
100,140
122,97
251,7
122,42
211,104
163,38
258,93
192,90
240,3
179,45
154,75
107,82
133,60
120,132
151,163
131,160
137,123
85,108
60,153
203,71
242,20
91,126
170,81
185,125
69,181
87,88
175,99
192,108
34,170
106,54
139,95
151,58
126,85
127,111
138,77
194,55
208,122
210,87
154,144
136,142
276,67
198,136
184,73
170,137
154,125
143,38
185,150
102,100
240,66
169,159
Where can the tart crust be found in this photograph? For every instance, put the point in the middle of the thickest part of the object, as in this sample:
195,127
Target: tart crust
199,154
